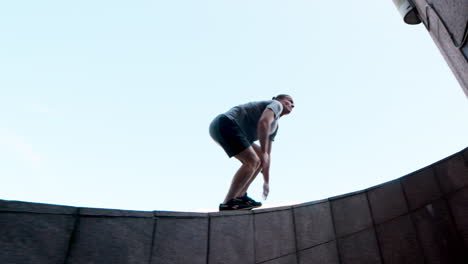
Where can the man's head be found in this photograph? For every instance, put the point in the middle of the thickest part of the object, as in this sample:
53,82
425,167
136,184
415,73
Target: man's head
286,101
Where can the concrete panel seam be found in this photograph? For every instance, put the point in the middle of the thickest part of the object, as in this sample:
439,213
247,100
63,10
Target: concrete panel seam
253,239
320,244
208,240
437,178
334,231
373,225
153,240
71,241
413,223
282,256
295,233
367,228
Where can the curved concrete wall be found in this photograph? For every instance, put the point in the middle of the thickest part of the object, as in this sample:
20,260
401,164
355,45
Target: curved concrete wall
419,218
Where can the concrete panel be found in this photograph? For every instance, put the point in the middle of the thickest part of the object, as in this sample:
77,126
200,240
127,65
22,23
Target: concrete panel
314,225
454,57
384,208
351,214
322,254
438,235
272,209
231,213
459,205
116,240
360,248
465,151
162,214
114,212
181,240
34,238
231,239
452,173
454,13
274,234
289,259
421,188
398,242
17,206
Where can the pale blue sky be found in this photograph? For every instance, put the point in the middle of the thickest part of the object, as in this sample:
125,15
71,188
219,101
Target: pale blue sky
107,103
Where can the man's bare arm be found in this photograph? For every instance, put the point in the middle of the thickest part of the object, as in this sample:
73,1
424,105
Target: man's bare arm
263,130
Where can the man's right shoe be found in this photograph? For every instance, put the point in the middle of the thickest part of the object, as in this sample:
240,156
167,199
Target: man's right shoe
235,204
247,200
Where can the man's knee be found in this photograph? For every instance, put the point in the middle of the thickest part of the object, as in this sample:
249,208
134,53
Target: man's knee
249,158
254,162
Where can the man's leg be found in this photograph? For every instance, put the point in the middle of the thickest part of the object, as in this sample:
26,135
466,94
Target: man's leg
251,163
258,151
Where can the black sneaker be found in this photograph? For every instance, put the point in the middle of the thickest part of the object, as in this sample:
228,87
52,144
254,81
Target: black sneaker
234,204
249,201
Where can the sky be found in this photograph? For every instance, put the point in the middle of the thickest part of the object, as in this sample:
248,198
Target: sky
107,103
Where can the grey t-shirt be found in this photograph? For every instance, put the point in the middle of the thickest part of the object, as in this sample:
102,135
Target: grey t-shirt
247,116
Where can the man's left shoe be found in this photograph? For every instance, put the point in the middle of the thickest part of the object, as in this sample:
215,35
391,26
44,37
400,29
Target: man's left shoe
249,201
234,204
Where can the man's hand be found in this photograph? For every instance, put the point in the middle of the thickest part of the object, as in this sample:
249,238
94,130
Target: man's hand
266,190
265,157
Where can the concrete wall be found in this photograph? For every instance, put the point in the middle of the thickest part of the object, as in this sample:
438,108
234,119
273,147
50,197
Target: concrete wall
447,22
419,218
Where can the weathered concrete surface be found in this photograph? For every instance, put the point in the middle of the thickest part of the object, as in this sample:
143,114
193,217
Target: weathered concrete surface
447,23
419,218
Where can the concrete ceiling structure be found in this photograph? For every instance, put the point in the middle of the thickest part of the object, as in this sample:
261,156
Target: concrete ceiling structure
447,23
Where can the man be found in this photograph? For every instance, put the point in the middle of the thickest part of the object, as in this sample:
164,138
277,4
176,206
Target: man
236,130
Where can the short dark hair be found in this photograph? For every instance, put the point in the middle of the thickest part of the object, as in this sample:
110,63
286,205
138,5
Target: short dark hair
279,96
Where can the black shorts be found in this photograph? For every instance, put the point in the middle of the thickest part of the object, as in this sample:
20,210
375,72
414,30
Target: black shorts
229,135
